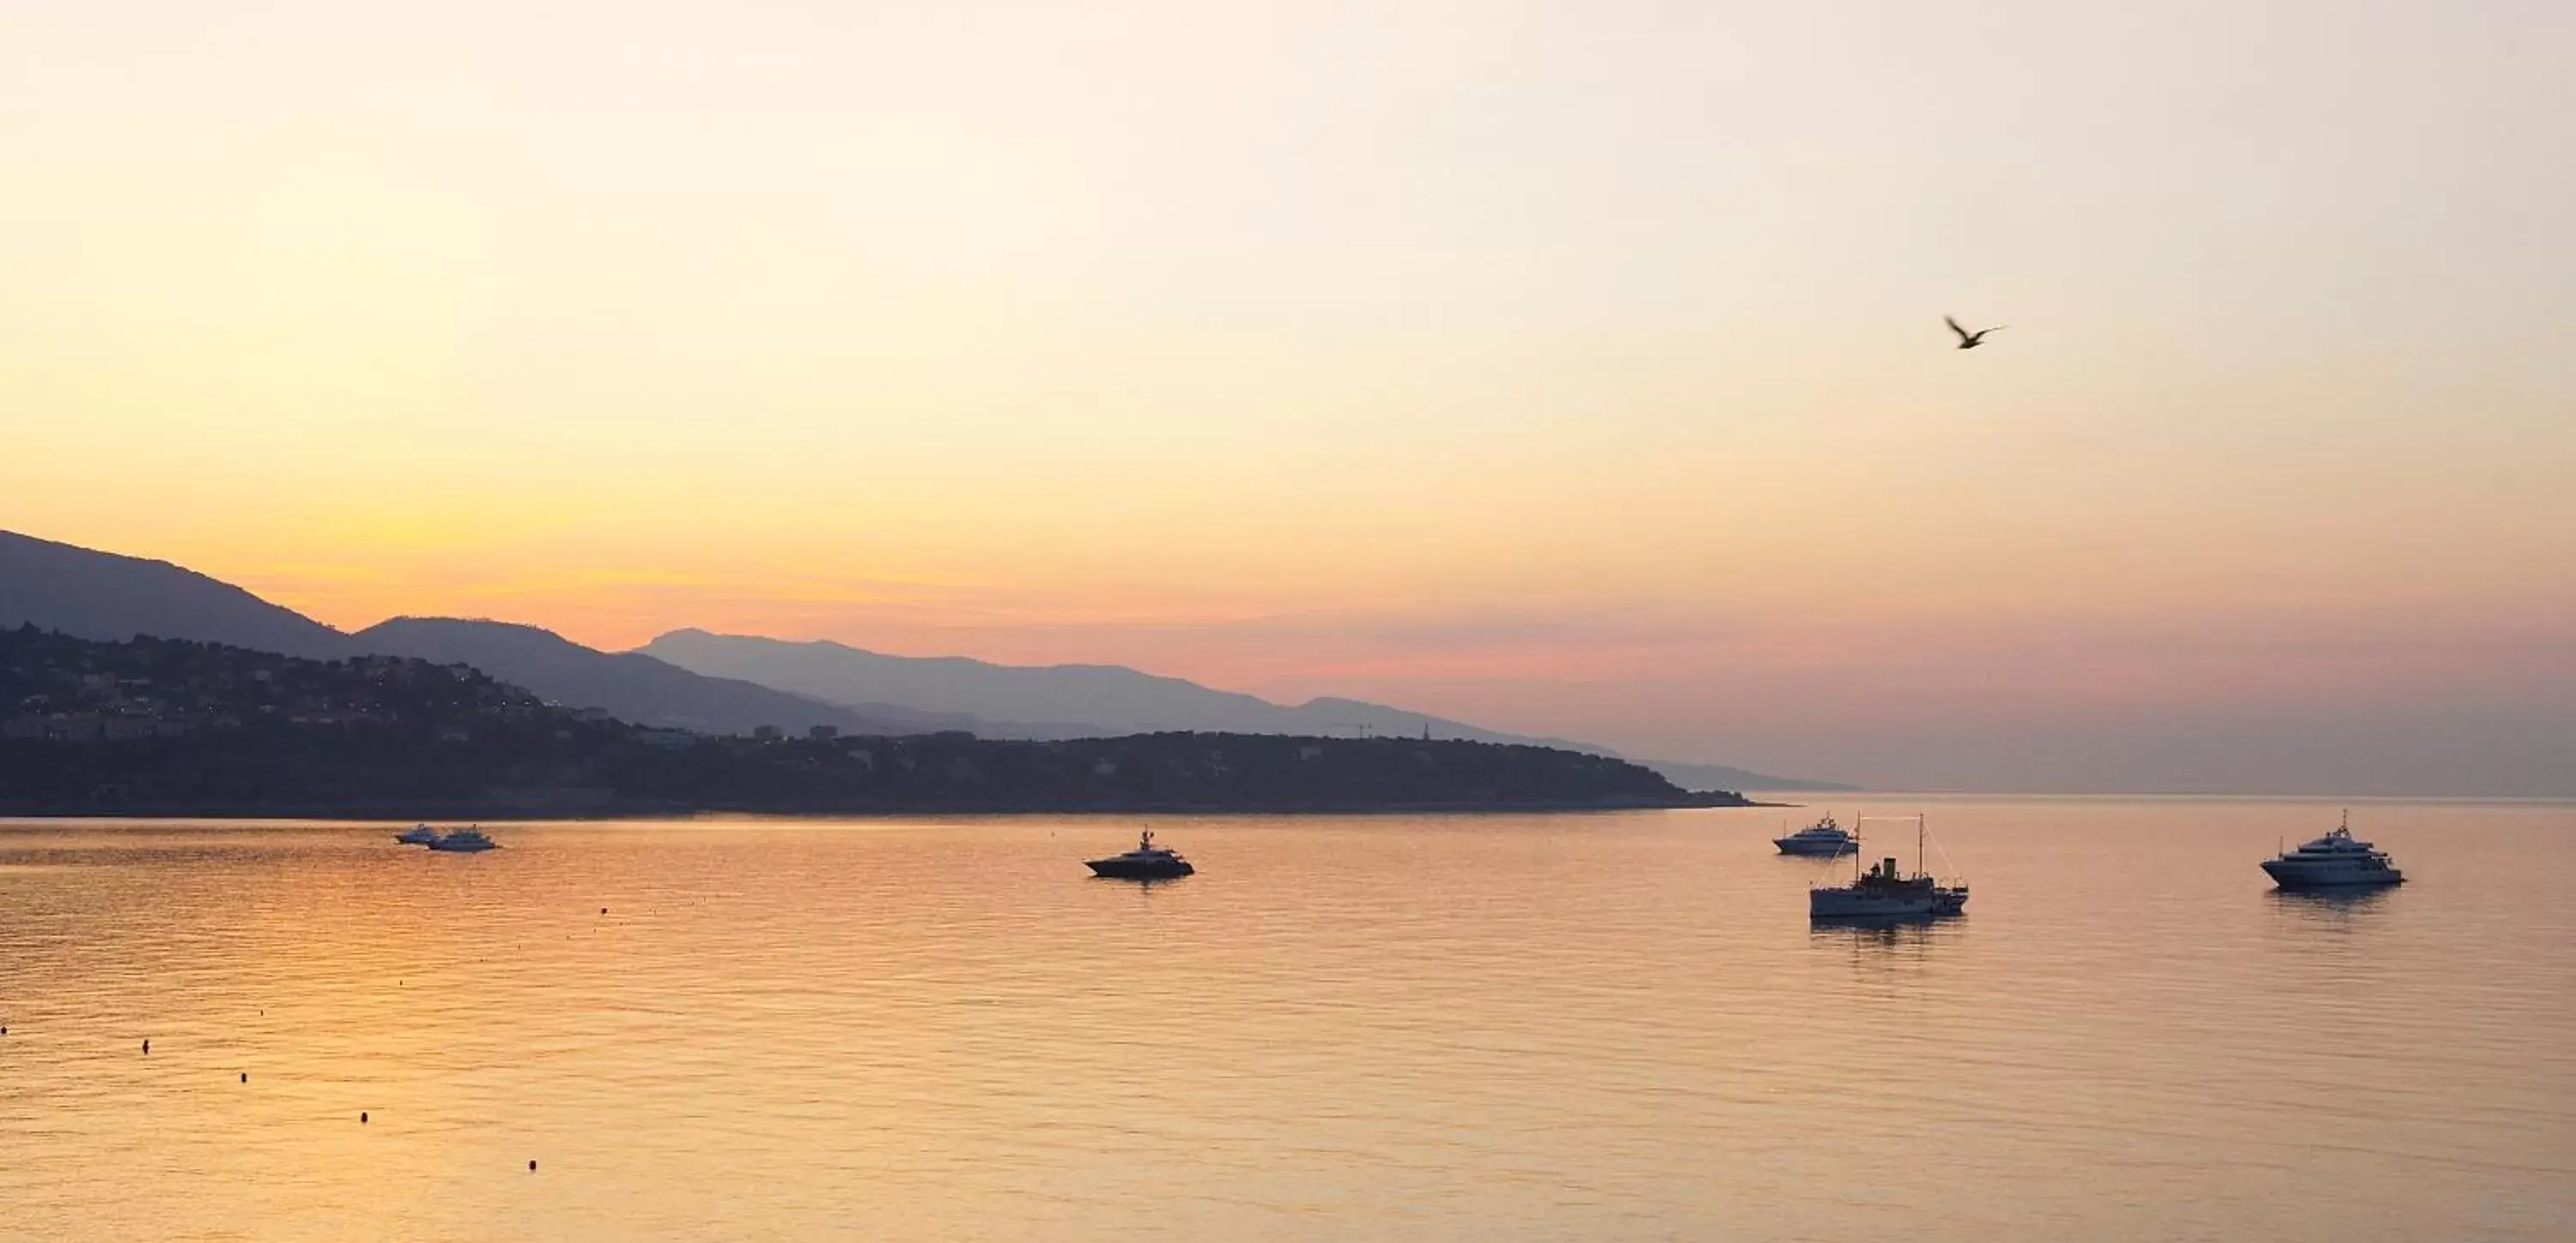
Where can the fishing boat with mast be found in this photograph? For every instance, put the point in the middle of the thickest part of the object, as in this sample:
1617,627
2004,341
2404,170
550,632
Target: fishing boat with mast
1885,892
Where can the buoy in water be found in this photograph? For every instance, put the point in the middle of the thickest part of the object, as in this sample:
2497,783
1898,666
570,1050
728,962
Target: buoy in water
532,1167
245,1076
147,1046
362,1116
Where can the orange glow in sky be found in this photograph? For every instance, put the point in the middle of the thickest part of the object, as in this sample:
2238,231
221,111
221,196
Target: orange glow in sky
1577,368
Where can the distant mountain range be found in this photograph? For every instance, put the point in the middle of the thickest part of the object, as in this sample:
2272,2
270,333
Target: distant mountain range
633,688
1044,701
691,679
1084,701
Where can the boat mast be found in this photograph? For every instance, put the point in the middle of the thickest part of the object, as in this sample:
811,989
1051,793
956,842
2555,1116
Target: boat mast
1918,843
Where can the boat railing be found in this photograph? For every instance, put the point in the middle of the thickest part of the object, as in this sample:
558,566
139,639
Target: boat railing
1948,878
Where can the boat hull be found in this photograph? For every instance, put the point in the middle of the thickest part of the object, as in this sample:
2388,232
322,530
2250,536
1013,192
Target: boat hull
1815,850
1129,869
2295,877
1834,904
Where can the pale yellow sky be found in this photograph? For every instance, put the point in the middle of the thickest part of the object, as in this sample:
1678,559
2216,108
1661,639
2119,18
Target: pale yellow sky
1573,366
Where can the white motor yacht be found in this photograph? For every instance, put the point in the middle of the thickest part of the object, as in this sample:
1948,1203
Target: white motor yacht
417,835
465,841
1824,838
2337,860
1146,862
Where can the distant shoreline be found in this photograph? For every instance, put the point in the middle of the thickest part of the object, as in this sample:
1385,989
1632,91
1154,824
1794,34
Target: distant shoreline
409,813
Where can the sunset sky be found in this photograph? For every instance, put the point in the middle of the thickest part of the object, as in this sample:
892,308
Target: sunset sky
1572,368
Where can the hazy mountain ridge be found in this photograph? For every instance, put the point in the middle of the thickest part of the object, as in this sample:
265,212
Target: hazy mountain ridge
1085,700
633,688
1092,699
103,595
109,597
1079,697
1727,777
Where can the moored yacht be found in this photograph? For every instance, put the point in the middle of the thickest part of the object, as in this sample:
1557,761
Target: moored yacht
1823,838
465,841
2337,860
417,835
1146,862
1886,892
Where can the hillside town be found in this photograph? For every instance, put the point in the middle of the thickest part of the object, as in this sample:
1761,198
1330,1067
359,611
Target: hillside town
61,689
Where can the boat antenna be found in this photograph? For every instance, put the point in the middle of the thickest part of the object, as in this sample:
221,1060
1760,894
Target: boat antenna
1918,843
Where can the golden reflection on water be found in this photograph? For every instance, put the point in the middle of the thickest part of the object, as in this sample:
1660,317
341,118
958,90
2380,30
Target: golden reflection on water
1529,1027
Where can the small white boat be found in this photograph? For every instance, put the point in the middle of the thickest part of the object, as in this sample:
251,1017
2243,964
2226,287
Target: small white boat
417,835
465,841
2334,861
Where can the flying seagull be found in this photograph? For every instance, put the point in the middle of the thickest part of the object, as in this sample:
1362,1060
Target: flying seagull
1971,340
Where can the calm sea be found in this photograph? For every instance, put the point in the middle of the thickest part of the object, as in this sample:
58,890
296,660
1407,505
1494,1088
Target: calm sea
1508,1027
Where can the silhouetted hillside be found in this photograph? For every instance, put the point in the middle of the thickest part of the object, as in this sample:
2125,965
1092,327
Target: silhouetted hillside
629,686
176,728
100,595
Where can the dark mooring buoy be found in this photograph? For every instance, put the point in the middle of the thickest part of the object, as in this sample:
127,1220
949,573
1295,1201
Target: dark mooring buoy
245,1076
532,1167
362,1115
147,1046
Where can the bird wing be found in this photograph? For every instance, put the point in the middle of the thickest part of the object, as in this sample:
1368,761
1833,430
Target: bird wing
1954,327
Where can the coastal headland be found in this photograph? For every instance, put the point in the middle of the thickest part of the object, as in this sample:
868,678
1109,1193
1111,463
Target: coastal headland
171,727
